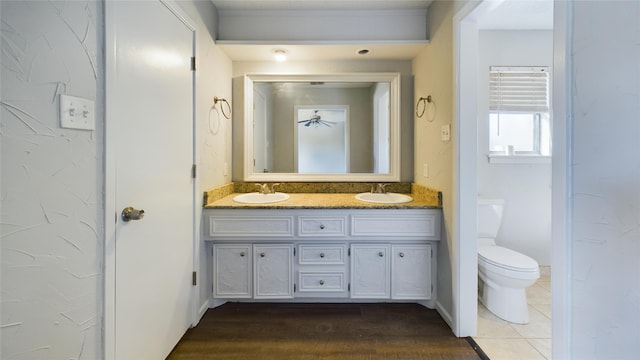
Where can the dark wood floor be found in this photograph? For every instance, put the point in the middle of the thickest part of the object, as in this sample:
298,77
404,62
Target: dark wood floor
321,331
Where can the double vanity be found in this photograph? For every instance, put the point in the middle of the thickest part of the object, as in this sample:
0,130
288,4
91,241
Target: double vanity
331,247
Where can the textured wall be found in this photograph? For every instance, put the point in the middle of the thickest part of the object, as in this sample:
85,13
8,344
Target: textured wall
51,222
605,238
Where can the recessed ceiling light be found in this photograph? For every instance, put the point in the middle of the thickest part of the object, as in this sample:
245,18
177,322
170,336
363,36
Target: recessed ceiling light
279,55
363,52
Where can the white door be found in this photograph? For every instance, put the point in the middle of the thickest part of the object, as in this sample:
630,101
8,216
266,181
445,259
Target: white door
150,122
370,272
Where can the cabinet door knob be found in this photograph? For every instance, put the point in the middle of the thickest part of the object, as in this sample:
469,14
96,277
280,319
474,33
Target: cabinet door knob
321,282
401,254
321,226
261,254
381,254
321,255
242,253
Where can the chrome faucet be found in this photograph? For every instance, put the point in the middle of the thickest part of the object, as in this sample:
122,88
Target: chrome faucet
379,189
264,188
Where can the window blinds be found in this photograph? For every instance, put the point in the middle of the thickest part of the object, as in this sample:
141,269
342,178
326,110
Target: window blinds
519,89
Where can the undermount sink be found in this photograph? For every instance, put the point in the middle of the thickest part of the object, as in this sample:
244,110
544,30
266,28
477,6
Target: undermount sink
384,198
259,198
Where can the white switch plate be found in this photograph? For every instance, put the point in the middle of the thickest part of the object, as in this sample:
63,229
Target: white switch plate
445,132
77,113
225,169
425,170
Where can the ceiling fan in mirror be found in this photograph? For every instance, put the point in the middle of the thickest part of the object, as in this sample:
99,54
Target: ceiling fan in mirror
316,120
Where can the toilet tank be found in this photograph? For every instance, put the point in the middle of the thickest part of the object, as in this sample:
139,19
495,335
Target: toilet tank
489,217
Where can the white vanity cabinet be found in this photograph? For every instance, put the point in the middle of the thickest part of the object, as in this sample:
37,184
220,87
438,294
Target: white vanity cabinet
323,254
232,269
272,271
411,272
370,271
244,271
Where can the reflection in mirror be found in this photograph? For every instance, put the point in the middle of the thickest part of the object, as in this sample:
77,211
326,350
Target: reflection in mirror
322,139
322,127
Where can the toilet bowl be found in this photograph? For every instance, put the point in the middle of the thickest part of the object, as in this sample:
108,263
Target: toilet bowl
504,274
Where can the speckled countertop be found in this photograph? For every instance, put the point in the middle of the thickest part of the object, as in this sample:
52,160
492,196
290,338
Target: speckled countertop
222,198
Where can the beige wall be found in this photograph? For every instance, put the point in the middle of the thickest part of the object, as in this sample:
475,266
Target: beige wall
433,75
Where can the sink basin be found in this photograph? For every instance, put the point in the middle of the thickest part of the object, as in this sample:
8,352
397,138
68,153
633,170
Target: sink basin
258,198
387,198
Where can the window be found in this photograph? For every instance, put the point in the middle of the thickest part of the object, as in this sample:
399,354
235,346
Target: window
519,122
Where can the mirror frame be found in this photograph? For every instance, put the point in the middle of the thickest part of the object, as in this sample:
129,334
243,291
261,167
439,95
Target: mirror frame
394,128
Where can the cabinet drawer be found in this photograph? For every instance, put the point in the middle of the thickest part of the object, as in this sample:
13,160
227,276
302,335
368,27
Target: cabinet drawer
322,282
407,225
250,226
318,226
322,254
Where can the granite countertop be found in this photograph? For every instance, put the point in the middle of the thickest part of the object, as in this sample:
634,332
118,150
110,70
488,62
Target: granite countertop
319,200
222,198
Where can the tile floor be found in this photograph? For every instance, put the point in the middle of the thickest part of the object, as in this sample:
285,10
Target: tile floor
503,340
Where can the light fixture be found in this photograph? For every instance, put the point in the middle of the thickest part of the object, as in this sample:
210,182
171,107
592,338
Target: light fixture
279,55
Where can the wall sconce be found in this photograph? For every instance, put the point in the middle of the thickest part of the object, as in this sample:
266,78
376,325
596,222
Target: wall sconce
279,55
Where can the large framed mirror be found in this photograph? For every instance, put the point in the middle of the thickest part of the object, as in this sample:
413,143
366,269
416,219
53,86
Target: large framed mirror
297,126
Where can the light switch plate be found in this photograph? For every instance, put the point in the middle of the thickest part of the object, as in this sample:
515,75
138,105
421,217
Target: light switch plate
445,132
425,170
77,113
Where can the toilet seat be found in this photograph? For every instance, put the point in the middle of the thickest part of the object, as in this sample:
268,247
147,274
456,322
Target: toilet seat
507,259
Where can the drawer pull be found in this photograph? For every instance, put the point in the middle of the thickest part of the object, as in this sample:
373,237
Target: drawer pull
321,255
261,254
380,254
321,282
321,226
401,254
242,254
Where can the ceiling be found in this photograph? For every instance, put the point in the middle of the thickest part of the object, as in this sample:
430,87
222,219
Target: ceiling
507,15
321,4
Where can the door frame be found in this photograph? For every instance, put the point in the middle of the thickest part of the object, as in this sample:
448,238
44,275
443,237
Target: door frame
110,152
465,178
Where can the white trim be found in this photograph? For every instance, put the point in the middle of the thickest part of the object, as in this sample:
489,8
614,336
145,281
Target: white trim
518,159
561,106
465,269
394,127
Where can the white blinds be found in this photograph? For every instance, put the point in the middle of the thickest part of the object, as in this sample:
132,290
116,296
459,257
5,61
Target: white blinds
518,89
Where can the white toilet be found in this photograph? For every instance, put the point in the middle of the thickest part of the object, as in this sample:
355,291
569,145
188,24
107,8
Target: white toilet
503,274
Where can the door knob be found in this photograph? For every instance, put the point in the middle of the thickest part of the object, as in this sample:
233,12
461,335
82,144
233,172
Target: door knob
129,213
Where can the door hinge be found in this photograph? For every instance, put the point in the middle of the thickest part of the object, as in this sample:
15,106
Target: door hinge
116,219
431,250
294,287
194,278
193,171
294,251
193,63
349,252
349,287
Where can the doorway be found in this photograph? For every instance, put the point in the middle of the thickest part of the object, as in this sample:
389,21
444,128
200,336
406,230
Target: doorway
465,167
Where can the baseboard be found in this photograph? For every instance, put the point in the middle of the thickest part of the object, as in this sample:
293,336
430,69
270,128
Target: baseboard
445,314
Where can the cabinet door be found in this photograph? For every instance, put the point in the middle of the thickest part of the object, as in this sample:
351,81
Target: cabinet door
370,272
273,271
411,272
232,271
